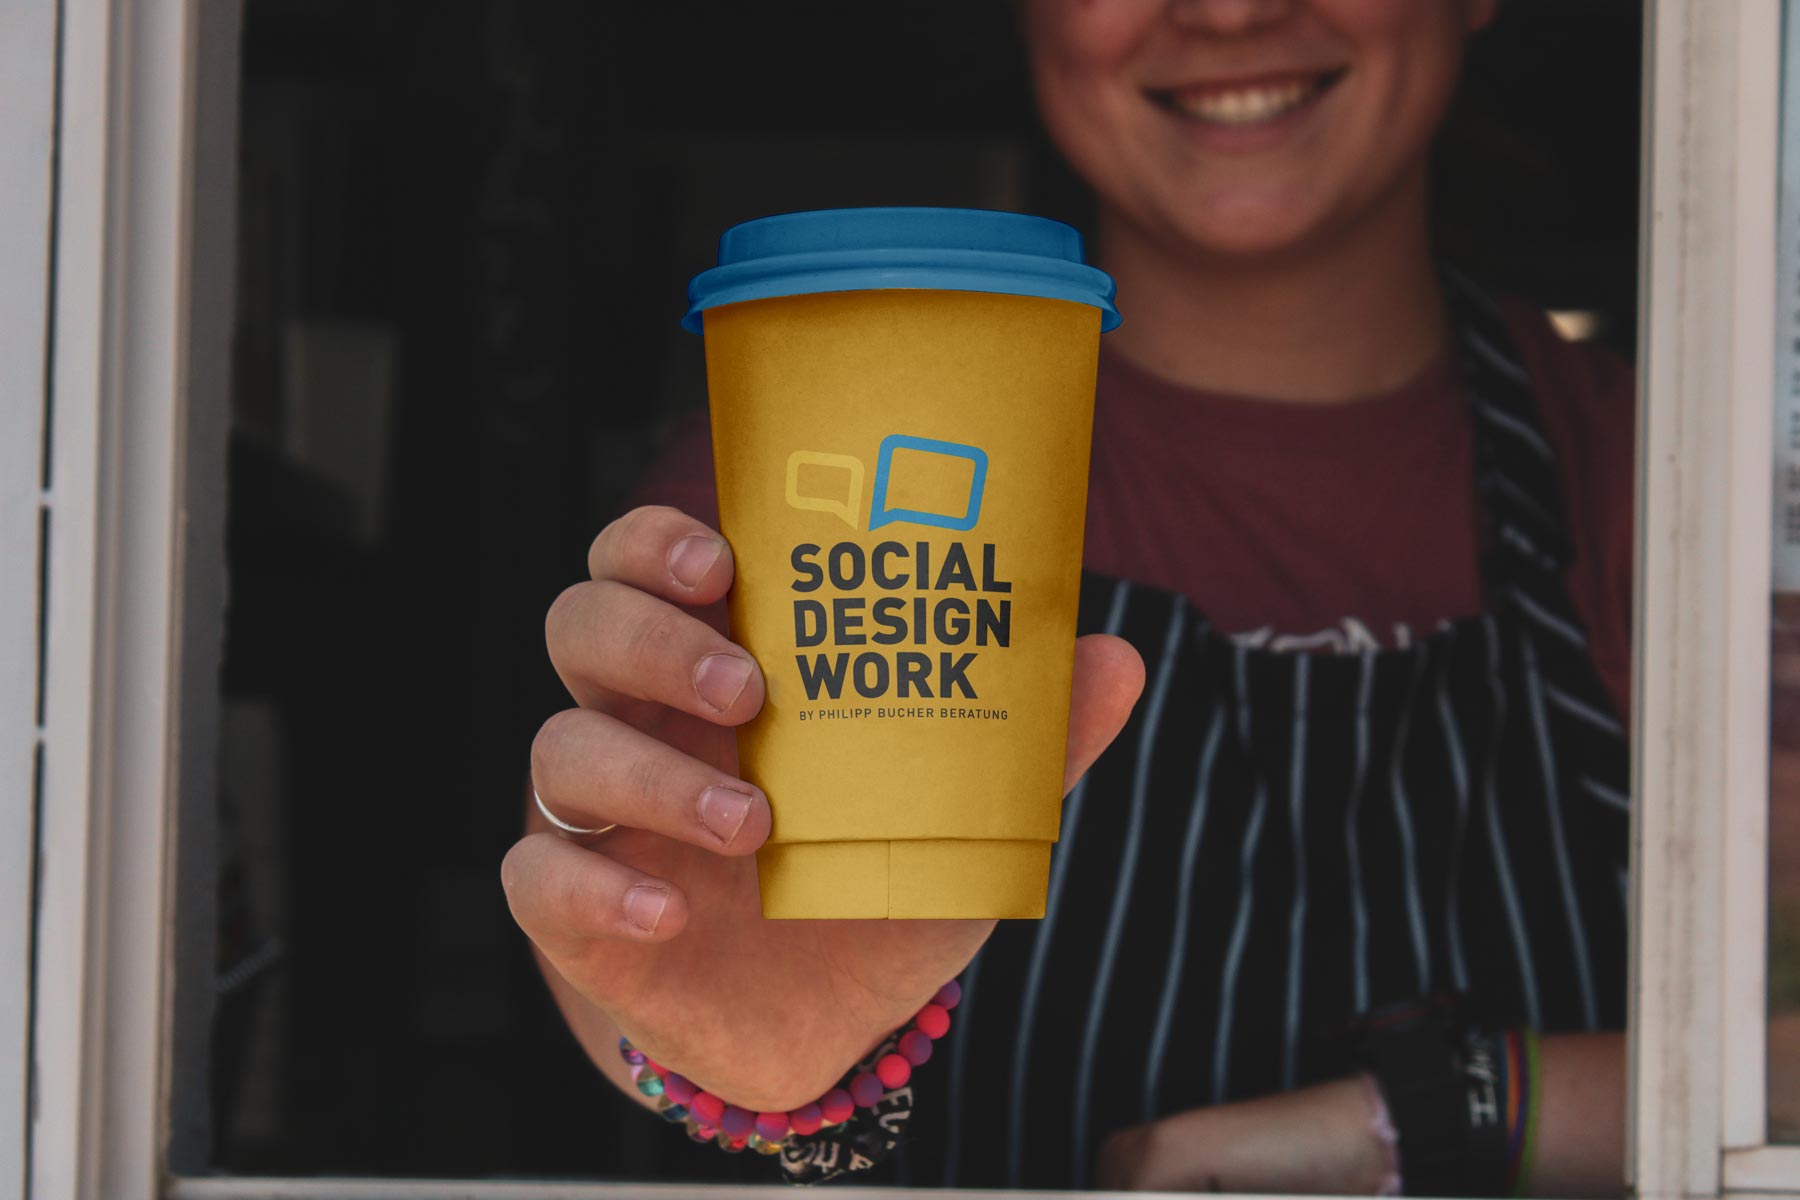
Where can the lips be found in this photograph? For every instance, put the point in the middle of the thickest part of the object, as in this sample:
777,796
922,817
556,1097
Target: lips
1249,102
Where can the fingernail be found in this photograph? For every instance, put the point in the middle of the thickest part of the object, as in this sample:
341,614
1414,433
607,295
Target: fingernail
644,906
722,811
692,557
720,679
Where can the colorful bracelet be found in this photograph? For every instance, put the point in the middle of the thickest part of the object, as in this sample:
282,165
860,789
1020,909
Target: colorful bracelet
1503,1085
709,1118
1522,1105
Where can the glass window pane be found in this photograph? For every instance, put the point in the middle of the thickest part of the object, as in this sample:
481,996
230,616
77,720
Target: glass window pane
464,246
462,250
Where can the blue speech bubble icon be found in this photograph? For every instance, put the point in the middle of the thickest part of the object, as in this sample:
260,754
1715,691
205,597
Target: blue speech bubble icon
879,512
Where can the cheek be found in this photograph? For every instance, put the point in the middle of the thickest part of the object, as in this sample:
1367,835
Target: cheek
1427,74
1361,19
1412,51
1418,42
1080,52
1080,43
1080,124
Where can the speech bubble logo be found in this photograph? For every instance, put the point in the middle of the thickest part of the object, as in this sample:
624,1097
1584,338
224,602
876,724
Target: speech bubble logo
885,472
845,502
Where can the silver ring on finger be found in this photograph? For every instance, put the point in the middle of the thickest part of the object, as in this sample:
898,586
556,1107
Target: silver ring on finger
564,826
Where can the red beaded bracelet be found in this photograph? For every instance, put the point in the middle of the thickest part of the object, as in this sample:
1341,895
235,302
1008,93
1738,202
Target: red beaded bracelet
710,1119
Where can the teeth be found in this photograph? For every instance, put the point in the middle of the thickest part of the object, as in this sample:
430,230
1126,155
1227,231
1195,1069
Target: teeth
1245,106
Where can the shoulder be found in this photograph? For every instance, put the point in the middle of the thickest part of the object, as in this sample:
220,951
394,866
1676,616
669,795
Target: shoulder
1587,393
1587,400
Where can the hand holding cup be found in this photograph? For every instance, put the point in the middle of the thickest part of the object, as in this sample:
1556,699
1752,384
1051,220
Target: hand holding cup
655,929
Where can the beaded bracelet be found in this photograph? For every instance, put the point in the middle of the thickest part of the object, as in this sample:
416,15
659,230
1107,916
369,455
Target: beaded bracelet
709,1118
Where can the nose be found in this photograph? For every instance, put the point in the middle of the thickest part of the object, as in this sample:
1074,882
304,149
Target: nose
1227,16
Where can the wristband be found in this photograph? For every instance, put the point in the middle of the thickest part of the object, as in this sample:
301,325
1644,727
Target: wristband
1409,1052
1487,1107
1463,1126
853,1126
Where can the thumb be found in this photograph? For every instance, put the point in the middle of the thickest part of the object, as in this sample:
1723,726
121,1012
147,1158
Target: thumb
1109,677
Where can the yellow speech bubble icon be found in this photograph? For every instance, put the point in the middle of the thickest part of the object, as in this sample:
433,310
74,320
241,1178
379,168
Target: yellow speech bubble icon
844,501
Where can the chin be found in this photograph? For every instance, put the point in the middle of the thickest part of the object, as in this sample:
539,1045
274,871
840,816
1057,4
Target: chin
1243,231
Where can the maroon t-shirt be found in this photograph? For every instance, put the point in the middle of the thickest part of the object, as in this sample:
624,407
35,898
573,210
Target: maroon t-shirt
1327,526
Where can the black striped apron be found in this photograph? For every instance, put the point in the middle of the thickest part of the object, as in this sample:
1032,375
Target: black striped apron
1277,841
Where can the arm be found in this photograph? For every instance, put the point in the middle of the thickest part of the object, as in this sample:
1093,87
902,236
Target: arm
1581,1118
1320,1139
593,1029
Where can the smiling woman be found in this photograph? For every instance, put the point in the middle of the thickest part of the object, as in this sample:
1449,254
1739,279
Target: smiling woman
1263,159
1336,896
434,408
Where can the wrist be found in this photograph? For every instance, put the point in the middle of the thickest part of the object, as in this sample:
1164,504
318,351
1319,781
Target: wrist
850,1126
776,1083
768,1062
1377,1169
1461,1099
760,1068
1317,1140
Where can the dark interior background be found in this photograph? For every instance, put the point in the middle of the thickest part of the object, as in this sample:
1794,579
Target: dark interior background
465,233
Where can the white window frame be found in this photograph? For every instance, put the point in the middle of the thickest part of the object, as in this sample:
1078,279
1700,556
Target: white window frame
136,343
123,250
27,138
1708,382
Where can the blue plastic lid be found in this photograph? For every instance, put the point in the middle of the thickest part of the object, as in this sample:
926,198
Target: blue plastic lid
856,249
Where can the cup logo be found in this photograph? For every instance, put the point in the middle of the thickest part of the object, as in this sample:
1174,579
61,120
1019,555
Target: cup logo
896,621
834,484
918,481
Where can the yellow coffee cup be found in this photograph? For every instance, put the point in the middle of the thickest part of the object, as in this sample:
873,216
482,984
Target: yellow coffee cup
902,403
